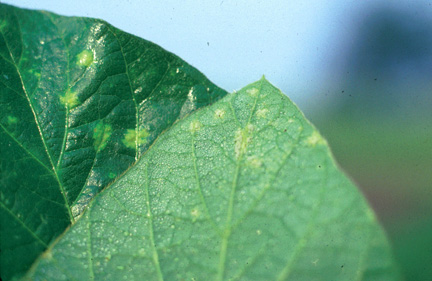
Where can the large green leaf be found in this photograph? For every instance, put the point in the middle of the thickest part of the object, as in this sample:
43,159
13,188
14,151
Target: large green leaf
245,189
80,101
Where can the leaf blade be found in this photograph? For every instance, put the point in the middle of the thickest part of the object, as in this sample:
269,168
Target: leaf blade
80,101
245,189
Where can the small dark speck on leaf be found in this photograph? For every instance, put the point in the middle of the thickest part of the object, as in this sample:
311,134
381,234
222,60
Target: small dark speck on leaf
208,43
342,266
285,130
375,79
343,91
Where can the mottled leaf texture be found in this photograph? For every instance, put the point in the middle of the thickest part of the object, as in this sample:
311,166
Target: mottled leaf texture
80,101
245,189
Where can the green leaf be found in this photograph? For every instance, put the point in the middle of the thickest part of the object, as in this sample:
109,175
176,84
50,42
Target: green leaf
245,189
80,101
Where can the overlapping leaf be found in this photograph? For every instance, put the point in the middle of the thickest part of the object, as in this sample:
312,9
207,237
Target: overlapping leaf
244,189
80,101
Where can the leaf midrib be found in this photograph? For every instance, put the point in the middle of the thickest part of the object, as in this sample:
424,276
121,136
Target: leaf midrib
228,224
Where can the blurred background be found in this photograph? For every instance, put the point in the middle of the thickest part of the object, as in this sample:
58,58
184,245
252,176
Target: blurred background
360,70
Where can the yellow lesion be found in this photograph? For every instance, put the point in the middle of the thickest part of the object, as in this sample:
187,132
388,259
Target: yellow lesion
101,134
12,120
70,99
85,58
252,91
132,139
220,113
254,162
194,126
262,113
242,140
35,73
195,213
314,139
3,24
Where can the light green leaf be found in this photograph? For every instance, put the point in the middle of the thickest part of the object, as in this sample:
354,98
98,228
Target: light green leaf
245,189
80,101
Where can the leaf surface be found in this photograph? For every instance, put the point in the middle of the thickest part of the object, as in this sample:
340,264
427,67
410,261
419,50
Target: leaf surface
80,101
245,189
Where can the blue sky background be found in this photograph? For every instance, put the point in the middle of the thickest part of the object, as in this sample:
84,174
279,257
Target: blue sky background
298,45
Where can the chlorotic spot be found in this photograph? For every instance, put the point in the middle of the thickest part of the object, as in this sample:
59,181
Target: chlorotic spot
138,90
219,113
259,232
242,139
194,126
70,99
112,175
254,162
195,213
142,252
47,255
3,24
85,58
12,120
132,139
35,73
252,91
314,139
262,112
101,134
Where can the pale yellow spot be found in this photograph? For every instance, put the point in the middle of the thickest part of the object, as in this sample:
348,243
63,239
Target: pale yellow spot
35,73
242,139
12,120
259,232
252,91
142,252
254,162
138,90
314,139
195,126
70,99
47,255
101,134
219,113
262,112
132,140
85,58
195,213
3,24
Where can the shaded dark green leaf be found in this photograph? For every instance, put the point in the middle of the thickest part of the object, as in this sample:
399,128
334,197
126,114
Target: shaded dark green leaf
80,102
